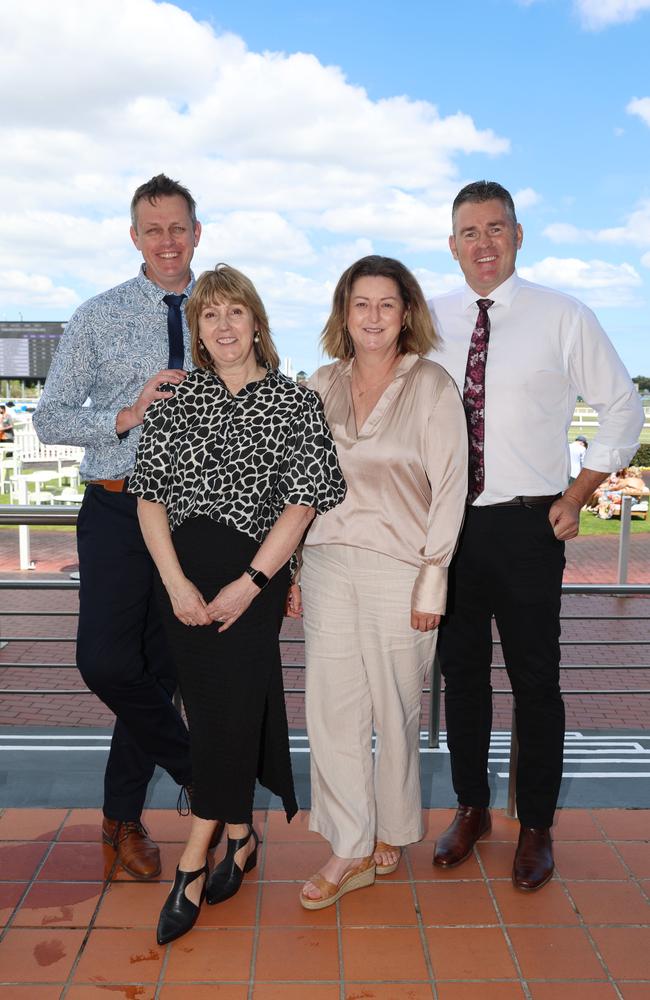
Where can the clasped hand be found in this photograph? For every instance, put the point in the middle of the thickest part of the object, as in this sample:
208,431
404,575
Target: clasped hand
191,608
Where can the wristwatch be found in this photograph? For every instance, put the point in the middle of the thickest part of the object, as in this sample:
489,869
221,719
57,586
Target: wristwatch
260,579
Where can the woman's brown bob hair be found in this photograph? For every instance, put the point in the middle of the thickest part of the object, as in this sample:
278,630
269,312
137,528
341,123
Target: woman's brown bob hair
226,284
418,335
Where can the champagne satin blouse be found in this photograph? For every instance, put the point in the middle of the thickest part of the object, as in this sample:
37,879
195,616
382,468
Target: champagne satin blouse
406,471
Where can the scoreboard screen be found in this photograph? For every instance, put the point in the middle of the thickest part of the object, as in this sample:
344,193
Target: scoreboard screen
26,349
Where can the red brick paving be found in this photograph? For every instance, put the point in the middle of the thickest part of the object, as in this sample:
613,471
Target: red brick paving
589,560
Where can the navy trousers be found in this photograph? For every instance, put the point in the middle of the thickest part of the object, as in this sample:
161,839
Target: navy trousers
508,565
122,652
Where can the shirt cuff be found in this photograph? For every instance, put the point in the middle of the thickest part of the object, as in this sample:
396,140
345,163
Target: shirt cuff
430,590
600,458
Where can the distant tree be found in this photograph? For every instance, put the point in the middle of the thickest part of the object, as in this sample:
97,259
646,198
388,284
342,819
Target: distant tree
643,382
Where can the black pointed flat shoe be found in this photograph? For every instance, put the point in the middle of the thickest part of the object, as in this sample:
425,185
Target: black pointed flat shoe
179,914
227,877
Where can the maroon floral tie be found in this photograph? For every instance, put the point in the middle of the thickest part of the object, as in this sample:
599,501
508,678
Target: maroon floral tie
474,398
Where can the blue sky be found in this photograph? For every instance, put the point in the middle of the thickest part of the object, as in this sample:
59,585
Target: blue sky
311,134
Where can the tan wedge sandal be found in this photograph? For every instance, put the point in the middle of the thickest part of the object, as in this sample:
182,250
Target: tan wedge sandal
355,878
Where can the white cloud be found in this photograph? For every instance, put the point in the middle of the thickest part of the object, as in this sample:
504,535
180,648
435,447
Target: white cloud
645,259
598,282
597,14
640,106
636,230
526,198
17,288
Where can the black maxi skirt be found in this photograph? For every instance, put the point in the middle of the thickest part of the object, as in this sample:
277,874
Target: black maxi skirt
231,682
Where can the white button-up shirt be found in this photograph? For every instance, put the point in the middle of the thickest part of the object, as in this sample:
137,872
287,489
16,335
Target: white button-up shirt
545,349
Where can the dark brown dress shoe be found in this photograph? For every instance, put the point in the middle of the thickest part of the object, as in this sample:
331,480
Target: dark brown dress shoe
533,865
136,852
456,843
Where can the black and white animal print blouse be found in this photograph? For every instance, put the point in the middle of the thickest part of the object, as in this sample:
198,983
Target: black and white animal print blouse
238,459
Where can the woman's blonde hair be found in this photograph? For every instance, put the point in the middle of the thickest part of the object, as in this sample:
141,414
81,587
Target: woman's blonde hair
418,335
227,284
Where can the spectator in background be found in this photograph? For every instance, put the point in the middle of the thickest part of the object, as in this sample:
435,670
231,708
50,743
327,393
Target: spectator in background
6,424
577,452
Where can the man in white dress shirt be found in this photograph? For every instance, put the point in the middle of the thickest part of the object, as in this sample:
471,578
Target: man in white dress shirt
519,381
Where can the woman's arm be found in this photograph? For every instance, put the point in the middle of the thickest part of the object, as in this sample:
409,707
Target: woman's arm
187,602
276,549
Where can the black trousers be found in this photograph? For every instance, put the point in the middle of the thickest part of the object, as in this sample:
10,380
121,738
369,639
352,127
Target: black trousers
508,564
123,654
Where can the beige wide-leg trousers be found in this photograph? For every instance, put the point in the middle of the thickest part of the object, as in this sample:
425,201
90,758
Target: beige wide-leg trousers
365,669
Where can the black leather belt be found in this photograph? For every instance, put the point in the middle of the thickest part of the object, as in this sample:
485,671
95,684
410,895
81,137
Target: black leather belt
520,502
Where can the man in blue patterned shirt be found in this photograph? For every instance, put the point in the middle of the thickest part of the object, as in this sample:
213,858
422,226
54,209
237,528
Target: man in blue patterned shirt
115,354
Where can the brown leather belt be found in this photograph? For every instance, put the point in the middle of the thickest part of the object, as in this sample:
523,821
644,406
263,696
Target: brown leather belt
112,485
522,502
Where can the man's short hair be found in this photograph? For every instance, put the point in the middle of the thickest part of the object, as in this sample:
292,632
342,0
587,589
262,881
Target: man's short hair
484,191
161,186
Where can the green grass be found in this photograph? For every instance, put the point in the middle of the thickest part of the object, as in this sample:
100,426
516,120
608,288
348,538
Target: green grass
592,525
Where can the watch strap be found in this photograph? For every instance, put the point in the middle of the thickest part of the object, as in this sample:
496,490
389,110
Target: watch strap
260,579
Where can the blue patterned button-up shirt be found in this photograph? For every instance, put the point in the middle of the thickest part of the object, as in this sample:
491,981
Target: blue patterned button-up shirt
111,346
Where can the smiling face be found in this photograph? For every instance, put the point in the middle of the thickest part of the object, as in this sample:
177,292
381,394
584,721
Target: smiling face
166,238
485,244
226,331
376,314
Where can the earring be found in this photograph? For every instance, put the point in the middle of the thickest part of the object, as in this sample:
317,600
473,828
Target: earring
256,338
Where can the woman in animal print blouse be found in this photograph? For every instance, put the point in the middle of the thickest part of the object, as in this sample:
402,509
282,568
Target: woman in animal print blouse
230,471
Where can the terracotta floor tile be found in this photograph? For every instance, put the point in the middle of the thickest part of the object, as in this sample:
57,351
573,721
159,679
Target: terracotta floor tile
132,904
435,821
615,903
83,824
572,991
575,824
625,824
297,991
215,954
10,893
215,991
77,863
588,861
31,824
497,858
470,953
420,857
167,825
634,991
278,830
383,903
549,906
385,991
294,861
563,952
18,862
305,953
239,911
637,857
479,991
383,953
32,992
281,908
120,956
39,956
447,904
115,991
59,904
625,950
503,828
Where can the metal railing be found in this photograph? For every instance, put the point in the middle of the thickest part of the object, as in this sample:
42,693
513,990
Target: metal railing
33,515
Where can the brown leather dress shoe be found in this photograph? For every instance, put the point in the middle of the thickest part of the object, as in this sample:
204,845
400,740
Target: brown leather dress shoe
456,843
136,852
533,865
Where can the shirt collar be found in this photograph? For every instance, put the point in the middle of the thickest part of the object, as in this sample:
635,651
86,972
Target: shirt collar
403,366
502,295
154,291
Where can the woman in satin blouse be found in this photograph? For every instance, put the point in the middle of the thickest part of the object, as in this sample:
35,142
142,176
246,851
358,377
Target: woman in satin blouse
229,473
374,573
